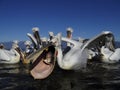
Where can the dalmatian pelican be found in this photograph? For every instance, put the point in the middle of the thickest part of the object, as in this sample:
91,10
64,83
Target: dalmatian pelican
110,54
75,58
10,56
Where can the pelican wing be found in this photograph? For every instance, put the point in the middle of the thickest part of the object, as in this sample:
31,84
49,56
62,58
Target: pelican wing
98,40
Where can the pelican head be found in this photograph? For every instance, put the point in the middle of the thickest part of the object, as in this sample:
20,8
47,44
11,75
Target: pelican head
28,43
51,35
15,41
69,32
35,29
1,46
109,53
109,42
57,40
69,29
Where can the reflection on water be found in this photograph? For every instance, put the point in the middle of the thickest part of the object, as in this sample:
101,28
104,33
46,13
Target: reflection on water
97,76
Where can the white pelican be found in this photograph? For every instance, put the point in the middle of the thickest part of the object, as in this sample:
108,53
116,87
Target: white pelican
110,54
104,48
75,58
42,61
10,56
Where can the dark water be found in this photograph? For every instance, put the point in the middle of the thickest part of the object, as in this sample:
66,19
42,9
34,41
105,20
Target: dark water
97,76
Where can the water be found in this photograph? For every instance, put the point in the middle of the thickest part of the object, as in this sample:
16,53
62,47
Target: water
97,76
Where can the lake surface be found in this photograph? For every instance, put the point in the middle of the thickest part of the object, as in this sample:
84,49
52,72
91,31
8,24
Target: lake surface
97,76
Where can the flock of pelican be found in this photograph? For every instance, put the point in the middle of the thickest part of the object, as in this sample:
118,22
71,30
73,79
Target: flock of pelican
43,53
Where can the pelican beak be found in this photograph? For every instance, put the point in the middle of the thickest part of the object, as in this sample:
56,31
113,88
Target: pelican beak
110,43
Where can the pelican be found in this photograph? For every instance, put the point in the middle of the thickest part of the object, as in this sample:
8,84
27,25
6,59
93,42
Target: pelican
42,59
10,56
75,58
110,54
103,47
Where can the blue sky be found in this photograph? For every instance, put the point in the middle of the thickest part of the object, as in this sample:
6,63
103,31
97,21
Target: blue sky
87,17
